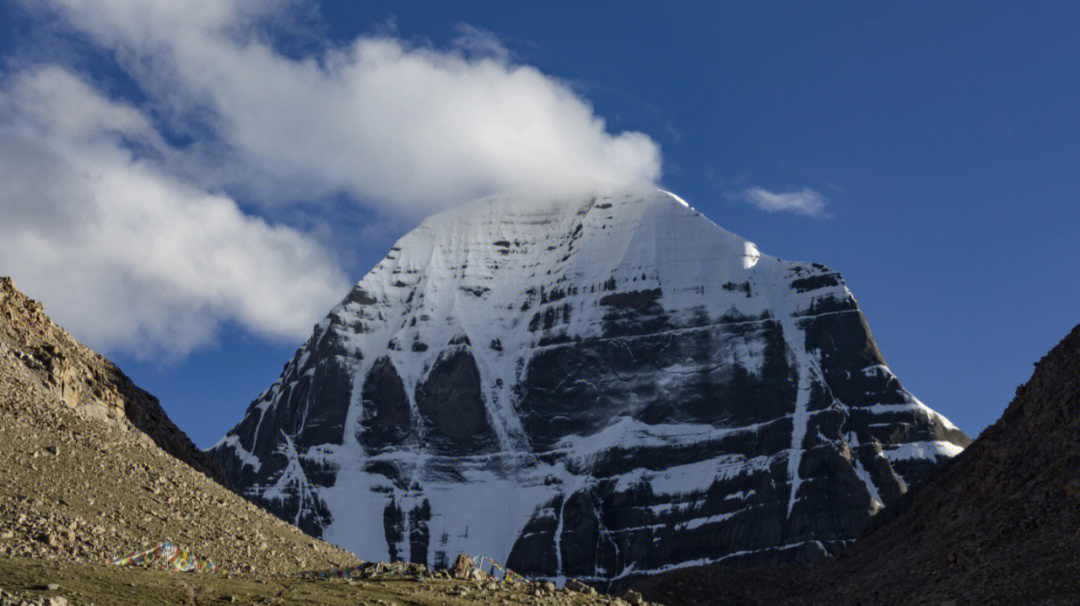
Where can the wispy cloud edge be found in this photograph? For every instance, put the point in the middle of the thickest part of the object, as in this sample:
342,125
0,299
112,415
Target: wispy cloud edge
806,201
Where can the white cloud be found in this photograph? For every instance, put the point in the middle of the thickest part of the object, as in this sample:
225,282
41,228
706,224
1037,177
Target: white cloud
406,127
125,256
804,202
125,233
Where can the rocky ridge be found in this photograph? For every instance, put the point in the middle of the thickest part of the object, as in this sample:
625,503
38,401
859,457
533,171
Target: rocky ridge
94,469
600,387
84,380
1000,524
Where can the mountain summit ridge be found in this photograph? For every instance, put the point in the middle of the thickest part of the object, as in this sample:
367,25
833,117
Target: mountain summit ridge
597,387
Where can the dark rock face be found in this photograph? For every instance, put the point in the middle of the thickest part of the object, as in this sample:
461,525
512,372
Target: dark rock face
589,388
615,376
307,405
386,416
460,429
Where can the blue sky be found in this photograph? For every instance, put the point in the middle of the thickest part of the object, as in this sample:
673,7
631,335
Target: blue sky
942,138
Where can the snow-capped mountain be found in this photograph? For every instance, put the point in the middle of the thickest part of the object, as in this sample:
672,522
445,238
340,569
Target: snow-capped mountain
597,388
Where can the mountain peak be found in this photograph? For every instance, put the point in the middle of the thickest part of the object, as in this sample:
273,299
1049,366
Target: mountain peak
596,386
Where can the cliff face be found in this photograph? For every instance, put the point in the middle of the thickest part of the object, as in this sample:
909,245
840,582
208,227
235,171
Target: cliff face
597,388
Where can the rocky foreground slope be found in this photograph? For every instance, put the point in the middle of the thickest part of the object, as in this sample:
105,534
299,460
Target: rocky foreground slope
999,525
601,387
33,348
94,469
26,582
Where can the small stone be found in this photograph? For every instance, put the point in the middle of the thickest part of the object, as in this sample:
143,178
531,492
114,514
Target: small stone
576,585
1072,489
633,598
549,587
463,566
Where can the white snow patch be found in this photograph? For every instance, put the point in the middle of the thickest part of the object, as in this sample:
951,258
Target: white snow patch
741,495
915,405
693,477
870,486
677,198
698,522
921,450
245,457
627,432
876,370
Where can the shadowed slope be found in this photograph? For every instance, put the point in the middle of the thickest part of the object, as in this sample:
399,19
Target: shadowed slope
999,524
